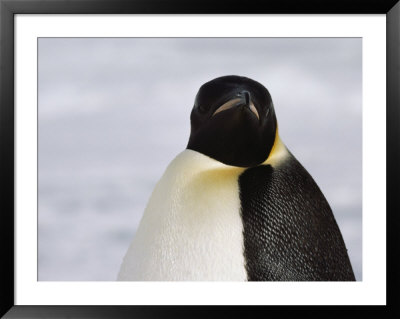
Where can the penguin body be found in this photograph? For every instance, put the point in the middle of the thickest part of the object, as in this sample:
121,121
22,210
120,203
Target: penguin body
191,228
236,205
289,231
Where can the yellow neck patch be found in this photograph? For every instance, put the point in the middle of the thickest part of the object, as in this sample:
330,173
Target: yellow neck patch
278,152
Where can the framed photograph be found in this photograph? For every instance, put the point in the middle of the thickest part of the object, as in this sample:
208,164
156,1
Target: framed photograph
98,109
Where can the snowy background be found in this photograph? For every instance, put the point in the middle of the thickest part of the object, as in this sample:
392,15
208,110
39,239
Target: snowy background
113,112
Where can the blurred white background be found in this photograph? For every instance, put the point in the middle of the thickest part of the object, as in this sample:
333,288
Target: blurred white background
113,112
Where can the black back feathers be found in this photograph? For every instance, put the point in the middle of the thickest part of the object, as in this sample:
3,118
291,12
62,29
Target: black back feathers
290,233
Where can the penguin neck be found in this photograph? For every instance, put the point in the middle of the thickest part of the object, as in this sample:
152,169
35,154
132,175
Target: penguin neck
195,161
278,154
192,162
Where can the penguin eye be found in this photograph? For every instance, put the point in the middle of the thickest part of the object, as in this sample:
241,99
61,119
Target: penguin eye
202,108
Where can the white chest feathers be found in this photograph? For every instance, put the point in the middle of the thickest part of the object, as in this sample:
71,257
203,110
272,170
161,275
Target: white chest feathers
191,228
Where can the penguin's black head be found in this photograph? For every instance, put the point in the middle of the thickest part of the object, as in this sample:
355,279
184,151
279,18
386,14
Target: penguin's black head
233,121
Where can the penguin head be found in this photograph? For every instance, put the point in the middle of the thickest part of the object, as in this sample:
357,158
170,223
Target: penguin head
233,121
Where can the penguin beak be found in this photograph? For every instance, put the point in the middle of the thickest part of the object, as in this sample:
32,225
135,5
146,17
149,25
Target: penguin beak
243,100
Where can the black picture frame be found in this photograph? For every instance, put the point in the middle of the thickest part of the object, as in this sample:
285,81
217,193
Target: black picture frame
8,8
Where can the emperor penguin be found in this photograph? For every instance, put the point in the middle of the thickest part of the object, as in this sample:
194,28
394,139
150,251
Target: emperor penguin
236,205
